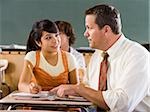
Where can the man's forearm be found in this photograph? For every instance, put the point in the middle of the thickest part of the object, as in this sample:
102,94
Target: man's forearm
92,95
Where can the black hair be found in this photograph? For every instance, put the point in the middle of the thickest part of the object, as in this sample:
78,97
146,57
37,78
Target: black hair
36,33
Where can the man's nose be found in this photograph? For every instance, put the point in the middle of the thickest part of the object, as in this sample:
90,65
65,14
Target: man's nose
86,34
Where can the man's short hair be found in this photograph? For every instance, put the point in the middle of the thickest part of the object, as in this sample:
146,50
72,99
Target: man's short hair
106,15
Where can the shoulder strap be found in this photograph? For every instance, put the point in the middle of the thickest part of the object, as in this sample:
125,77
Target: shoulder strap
65,61
37,58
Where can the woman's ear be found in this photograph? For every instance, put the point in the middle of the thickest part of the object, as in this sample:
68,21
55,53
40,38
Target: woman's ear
38,43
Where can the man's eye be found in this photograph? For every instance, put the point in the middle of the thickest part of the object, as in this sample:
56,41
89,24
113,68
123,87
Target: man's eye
89,27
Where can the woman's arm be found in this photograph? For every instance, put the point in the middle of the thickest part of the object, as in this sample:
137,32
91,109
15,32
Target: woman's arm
25,79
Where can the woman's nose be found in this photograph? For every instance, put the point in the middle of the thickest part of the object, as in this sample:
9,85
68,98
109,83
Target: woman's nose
55,40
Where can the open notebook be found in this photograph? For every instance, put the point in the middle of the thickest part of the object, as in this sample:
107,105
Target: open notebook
44,95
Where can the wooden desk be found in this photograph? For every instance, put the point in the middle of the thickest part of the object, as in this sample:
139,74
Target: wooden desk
9,103
28,111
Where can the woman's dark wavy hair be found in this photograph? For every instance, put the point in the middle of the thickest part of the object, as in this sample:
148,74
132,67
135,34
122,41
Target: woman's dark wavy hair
36,33
67,29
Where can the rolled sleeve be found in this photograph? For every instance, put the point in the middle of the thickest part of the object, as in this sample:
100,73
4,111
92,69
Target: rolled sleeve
116,100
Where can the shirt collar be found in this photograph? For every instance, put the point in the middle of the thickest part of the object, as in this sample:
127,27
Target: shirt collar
113,51
71,49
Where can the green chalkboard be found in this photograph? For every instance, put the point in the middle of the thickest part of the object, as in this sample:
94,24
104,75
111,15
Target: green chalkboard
17,17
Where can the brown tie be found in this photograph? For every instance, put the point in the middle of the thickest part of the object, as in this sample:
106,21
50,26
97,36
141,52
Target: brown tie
103,72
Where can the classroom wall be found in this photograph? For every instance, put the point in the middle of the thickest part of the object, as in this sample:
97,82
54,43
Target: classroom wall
17,17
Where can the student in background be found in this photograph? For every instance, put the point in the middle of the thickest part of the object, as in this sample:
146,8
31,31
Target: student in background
45,65
67,36
127,88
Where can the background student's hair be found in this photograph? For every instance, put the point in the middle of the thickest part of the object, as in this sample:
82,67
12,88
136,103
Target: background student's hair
66,28
36,33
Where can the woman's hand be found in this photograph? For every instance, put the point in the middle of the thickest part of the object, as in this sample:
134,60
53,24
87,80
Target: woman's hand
34,88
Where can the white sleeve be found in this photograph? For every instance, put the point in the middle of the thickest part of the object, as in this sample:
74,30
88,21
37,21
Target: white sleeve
71,61
79,58
132,86
31,57
81,61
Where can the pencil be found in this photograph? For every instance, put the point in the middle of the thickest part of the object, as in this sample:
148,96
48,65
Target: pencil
34,84
30,70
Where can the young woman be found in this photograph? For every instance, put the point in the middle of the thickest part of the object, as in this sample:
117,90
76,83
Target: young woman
45,65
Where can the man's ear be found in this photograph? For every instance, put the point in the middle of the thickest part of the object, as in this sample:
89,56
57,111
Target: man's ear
106,28
38,43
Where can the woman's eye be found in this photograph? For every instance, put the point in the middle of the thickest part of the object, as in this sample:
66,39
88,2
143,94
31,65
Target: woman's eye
57,34
48,38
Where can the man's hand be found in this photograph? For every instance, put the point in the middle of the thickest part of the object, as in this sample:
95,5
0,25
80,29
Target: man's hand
64,90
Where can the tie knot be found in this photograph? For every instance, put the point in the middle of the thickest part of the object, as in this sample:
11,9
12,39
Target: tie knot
105,55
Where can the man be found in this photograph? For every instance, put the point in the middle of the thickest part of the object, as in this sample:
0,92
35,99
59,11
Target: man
128,74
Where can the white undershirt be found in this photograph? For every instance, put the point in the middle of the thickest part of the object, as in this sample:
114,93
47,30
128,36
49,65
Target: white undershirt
52,70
